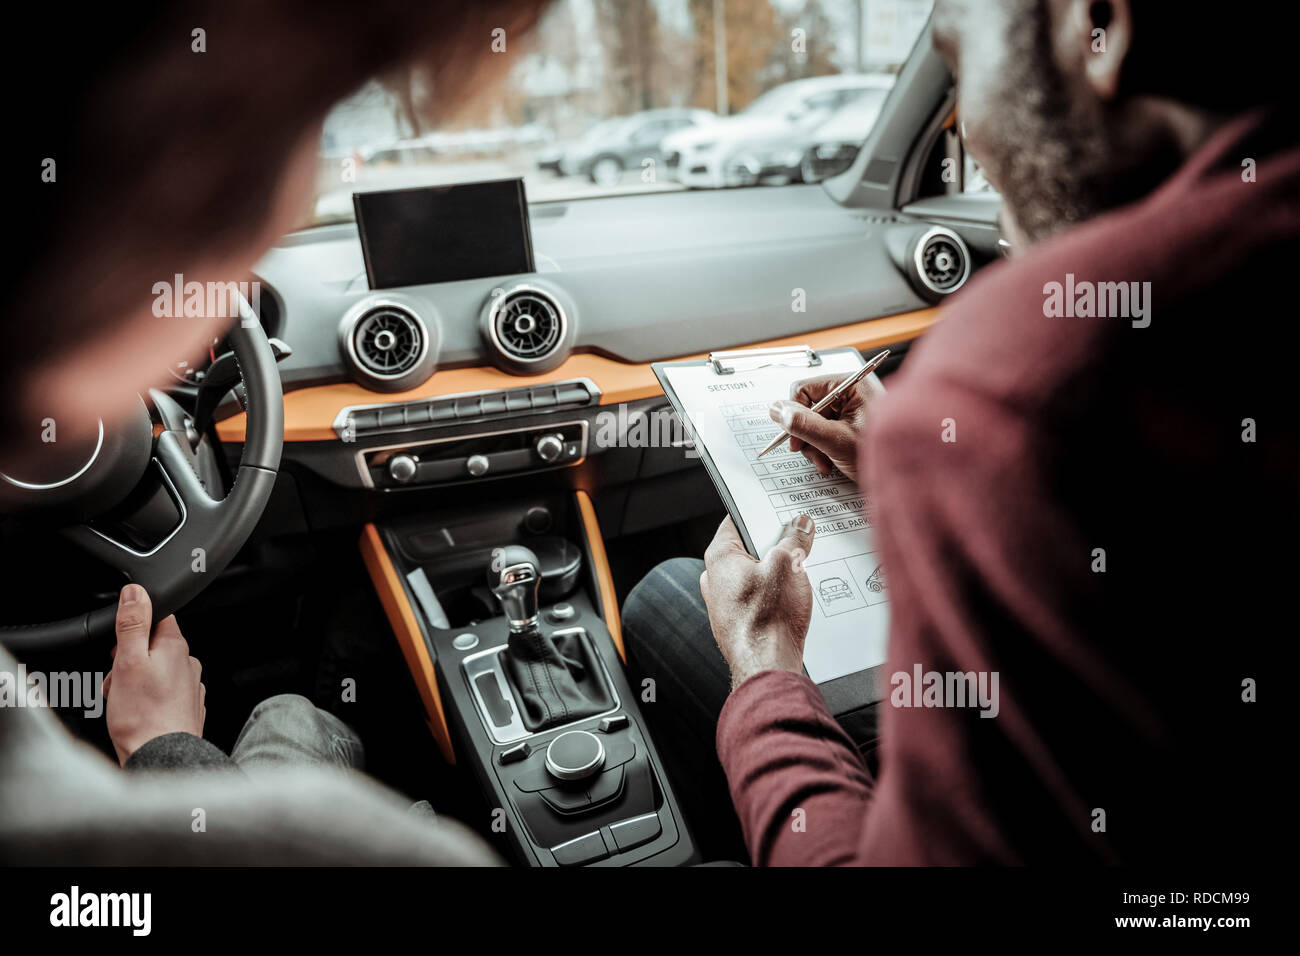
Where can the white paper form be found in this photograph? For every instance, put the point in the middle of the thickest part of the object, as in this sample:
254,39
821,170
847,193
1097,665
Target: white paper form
728,413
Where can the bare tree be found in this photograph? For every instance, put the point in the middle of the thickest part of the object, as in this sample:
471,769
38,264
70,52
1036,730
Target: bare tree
811,50
755,39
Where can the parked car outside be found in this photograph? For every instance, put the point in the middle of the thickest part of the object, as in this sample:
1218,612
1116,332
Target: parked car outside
767,140
623,143
835,143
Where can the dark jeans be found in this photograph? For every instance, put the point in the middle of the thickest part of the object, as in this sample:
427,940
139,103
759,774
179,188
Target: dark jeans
668,639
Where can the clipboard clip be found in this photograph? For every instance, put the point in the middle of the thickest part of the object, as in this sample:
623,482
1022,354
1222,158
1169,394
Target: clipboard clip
746,360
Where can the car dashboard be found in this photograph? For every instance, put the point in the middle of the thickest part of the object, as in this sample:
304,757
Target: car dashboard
505,375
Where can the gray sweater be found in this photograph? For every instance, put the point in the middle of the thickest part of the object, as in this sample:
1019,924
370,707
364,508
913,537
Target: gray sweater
179,751
63,802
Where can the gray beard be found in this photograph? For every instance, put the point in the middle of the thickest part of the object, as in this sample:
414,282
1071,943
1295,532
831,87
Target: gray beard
1047,153
1053,149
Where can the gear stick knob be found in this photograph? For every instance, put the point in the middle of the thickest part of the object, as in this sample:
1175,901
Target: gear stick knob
555,678
514,577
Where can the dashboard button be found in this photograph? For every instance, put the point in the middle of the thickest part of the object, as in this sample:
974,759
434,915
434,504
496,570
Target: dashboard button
573,395
477,465
417,414
532,778
585,849
612,723
538,520
441,411
565,801
494,404
634,832
561,613
392,417
514,754
364,420
469,407
606,787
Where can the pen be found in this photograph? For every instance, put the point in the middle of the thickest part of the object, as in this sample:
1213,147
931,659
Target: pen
835,393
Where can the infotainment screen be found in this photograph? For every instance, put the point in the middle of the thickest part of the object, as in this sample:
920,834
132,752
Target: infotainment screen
444,233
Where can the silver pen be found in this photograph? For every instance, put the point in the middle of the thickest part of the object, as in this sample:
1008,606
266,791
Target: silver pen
835,393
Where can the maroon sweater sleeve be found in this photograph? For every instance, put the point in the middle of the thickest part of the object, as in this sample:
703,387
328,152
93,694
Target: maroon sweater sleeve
795,777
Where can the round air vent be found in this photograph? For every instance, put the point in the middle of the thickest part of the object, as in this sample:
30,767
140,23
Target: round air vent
388,341
527,330
387,344
942,261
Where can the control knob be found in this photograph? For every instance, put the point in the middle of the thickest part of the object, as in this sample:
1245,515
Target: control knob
575,755
549,447
401,468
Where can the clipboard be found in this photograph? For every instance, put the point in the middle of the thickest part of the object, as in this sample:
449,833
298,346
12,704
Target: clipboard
846,647
731,362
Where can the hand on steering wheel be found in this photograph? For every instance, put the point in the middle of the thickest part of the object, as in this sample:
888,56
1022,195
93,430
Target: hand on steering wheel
209,533
155,686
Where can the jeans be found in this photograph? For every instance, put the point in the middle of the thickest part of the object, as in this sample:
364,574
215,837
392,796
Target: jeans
669,642
289,729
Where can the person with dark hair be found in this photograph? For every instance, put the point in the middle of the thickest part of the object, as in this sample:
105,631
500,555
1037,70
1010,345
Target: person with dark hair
181,139
1083,502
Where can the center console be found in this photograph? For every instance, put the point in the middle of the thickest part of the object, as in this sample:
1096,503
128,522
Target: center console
530,685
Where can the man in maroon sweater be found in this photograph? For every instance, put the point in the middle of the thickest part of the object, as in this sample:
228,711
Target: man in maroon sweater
1081,488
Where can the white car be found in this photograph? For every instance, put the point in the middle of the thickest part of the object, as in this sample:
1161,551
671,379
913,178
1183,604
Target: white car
766,140
625,142
835,143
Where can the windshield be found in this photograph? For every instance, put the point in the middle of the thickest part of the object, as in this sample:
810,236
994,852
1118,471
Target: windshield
604,95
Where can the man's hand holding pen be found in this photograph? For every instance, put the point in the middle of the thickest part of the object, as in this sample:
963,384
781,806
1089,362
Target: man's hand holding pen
760,610
829,438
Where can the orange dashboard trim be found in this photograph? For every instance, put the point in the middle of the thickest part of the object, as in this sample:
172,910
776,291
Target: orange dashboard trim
604,577
409,636
309,413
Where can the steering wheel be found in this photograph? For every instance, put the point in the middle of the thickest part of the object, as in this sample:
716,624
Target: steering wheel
209,533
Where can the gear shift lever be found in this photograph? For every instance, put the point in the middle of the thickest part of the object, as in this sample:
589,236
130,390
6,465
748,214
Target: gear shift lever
514,578
555,679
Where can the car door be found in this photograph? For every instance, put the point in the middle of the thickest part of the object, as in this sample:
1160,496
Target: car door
644,143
